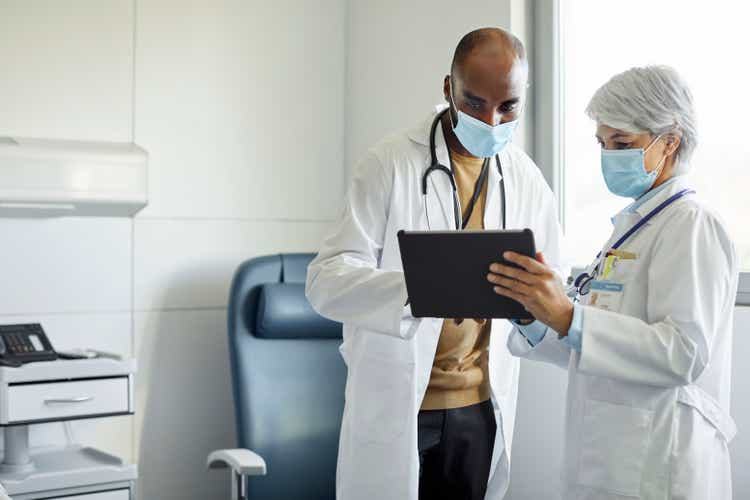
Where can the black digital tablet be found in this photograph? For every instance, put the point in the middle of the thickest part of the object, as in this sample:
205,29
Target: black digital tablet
446,272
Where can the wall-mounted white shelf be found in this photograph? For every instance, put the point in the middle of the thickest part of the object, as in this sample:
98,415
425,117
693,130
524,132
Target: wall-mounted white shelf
50,178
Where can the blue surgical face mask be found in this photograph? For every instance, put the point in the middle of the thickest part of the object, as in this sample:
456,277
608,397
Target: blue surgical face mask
477,137
625,172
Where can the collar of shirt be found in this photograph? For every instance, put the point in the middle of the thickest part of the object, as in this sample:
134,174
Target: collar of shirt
652,198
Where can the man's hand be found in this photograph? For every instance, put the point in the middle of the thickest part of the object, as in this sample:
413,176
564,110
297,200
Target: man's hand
536,287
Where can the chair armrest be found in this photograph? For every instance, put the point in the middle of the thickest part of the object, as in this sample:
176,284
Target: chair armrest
243,462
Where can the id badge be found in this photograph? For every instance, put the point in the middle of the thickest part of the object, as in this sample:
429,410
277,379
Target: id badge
606,295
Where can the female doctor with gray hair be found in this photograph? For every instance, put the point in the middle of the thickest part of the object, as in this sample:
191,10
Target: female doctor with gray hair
646,332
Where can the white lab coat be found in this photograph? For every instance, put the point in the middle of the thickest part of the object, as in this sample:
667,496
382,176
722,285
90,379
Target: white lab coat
648,396
357,279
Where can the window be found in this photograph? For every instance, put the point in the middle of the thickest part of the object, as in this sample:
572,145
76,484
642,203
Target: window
704,41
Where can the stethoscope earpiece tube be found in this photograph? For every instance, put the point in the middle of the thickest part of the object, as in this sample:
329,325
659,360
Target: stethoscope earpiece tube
435,165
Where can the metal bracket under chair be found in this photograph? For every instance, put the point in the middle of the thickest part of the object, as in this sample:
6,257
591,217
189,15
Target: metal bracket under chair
243,463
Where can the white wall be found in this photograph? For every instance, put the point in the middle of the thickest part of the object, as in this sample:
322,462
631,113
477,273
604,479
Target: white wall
740,446
399,54
240,105
538,438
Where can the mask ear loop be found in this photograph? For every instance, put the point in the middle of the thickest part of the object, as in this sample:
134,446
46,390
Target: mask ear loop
652,143
660,166
452,103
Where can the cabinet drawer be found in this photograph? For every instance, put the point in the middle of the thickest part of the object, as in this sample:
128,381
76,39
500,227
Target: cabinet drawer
69,399
107,495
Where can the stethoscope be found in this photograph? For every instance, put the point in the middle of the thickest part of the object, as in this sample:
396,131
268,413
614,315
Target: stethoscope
582,284
436,166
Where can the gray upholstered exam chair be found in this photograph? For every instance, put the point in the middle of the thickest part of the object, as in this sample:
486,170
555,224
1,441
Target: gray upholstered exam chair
288,380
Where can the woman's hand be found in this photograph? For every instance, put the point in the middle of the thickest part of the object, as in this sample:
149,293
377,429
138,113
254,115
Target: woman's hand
536,287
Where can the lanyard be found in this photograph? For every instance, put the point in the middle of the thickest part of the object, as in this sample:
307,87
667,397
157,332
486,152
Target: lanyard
649,216
583,281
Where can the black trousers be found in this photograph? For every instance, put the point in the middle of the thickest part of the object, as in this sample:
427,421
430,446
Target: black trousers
455,451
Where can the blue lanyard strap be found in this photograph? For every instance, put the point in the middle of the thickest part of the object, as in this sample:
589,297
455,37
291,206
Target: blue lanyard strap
650,216
585,279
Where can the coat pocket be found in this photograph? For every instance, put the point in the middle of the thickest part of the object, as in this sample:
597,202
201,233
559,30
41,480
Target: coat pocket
382,399
614,443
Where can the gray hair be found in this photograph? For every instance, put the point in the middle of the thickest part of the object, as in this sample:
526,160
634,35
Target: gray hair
653,99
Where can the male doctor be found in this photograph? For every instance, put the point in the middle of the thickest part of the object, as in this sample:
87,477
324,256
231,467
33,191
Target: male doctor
430,403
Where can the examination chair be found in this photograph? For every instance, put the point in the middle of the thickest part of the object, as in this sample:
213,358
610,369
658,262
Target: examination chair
288,381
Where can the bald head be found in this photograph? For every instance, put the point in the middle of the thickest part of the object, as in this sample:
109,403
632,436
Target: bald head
488,43
488,79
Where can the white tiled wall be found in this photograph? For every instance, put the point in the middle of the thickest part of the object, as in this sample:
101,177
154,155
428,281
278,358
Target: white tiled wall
241,107
740,446
386,93
67,69
79,265
186,403
183,264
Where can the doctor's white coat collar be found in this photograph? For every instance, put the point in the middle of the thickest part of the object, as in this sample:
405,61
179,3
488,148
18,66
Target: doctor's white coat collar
676,184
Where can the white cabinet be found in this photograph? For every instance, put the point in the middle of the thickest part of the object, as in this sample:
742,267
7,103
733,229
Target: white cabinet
65,400
51,391
47,391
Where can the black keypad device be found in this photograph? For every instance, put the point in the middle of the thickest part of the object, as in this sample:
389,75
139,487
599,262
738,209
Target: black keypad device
24,343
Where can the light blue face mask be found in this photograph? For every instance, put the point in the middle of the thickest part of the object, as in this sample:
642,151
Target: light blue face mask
625,173
477,137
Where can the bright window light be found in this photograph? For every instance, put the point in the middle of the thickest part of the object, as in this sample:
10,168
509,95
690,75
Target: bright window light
705,42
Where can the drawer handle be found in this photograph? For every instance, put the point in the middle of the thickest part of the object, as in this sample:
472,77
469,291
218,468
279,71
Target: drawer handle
62,401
